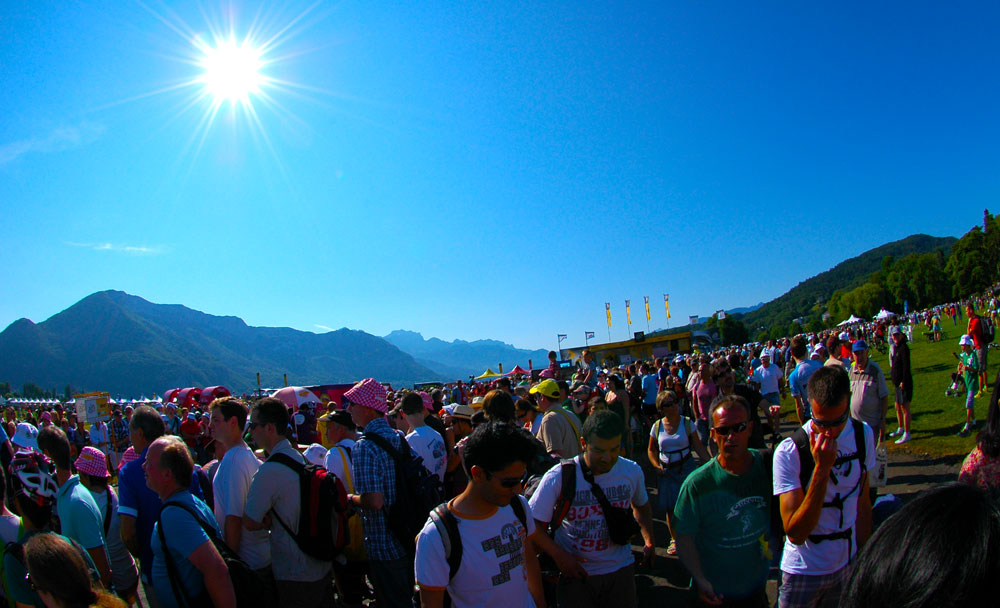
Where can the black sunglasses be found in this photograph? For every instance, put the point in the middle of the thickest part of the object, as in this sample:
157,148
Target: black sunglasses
829,424
739,427
507,482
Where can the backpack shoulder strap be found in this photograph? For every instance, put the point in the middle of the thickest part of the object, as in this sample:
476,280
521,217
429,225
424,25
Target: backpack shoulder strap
806,462
569,419
383,443
288,461
859,441
347,466
518,507
107,513
567,492
447,526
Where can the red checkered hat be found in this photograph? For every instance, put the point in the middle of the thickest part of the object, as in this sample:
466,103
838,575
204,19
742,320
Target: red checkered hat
91,461
369,393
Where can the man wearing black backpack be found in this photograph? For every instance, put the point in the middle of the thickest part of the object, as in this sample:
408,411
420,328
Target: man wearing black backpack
821,481
478,546
376,491
274,502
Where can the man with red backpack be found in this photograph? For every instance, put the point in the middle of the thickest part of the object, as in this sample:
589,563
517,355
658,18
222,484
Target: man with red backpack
301,580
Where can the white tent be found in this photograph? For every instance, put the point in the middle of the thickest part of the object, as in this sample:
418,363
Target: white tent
884,314
853,319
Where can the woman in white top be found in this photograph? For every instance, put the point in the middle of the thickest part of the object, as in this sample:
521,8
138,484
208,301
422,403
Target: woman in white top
671,441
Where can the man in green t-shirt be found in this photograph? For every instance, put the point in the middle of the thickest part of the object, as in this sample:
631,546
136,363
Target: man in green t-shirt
722,516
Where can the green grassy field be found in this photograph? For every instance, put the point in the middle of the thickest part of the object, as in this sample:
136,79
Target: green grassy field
936,417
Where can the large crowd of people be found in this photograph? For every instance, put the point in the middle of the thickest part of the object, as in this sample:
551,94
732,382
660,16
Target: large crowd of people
545,484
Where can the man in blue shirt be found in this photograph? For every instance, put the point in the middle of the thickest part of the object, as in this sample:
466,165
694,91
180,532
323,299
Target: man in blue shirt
138,506
191,553
649,387
798,380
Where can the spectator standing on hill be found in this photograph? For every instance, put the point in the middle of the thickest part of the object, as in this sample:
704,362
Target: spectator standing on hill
979,344
902,381
869,392
798,379
968,366
119,437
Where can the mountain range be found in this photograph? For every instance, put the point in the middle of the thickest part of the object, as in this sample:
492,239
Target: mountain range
461,359
116,342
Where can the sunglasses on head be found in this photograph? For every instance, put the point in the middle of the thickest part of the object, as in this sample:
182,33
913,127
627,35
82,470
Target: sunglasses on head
829,424
727,430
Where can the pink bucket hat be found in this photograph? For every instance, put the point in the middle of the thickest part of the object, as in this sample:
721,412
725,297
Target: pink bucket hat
91,461
369,393
428,402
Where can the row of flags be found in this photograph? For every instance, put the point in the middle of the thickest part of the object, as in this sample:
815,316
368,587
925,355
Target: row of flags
628,309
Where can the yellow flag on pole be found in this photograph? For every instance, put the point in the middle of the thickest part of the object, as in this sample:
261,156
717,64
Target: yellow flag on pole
628,312
646,298
666,303
607,309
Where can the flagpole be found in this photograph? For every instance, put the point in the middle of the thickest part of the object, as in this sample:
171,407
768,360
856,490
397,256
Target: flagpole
586,339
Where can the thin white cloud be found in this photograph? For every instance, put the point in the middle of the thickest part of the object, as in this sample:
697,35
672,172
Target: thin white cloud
57,140
120,248
323,327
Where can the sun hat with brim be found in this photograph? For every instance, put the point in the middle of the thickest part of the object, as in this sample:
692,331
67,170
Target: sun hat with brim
548,388
369,393
477,402
546,373
26,436
966,339
463,412
859,346
428,402
92,462
315,454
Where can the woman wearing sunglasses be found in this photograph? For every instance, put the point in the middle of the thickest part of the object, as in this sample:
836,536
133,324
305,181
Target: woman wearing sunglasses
671,441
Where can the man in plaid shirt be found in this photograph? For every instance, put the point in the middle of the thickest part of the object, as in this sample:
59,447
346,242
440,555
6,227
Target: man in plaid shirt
391,567
118,429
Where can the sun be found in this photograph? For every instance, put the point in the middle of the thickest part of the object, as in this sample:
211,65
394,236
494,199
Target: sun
232,71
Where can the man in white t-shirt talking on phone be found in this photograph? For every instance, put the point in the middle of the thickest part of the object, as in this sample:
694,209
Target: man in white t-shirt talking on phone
821,481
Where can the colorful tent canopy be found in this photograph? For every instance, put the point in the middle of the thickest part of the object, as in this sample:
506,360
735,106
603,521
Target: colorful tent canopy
488,374
517,370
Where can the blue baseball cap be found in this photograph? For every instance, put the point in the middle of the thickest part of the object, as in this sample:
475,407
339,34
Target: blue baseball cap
859,345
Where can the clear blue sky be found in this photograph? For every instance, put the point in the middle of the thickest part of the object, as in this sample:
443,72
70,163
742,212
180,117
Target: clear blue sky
479,170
